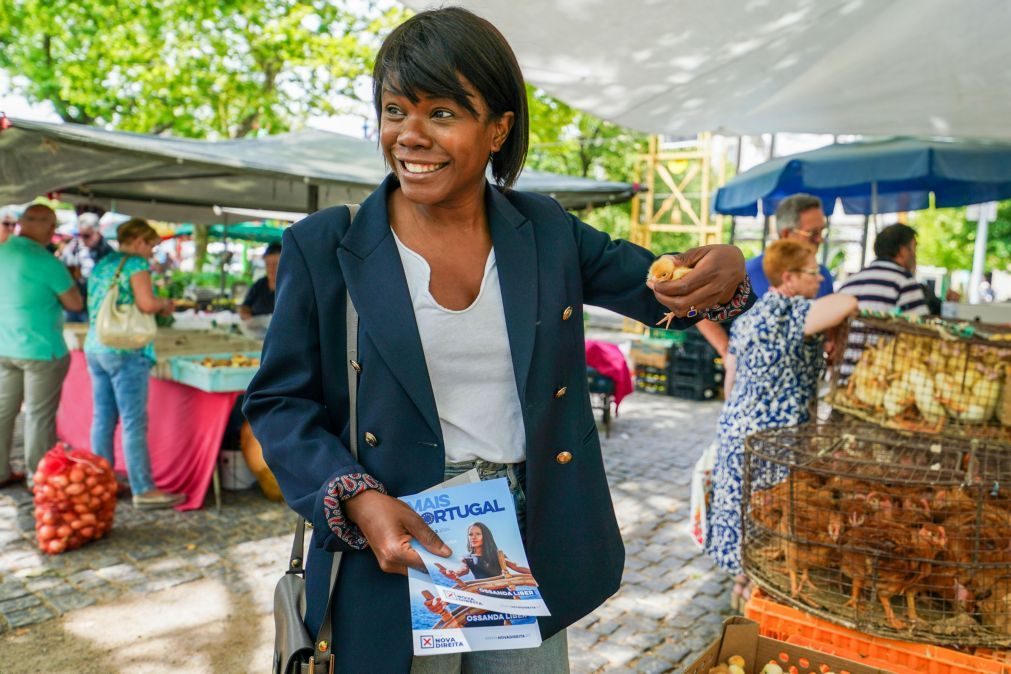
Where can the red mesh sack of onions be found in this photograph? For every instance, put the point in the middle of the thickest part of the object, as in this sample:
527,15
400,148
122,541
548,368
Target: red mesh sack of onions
75,499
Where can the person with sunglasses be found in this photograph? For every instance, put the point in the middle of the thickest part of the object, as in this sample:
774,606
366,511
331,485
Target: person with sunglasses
774,364
799,217
82,254
8,221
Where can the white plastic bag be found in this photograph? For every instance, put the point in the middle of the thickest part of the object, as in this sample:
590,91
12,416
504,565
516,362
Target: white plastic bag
701,493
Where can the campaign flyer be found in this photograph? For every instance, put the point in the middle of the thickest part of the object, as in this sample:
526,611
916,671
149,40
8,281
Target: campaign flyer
483,596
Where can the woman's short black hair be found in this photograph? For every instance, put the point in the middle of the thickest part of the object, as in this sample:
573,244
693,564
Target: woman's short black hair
429,52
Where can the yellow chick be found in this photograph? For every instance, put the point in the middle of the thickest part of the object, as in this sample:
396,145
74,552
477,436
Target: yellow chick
772,668
664,269
736,661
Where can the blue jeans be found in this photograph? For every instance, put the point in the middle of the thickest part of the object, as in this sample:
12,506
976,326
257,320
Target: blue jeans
119,387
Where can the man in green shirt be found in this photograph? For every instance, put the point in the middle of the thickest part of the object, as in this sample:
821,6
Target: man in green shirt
33,355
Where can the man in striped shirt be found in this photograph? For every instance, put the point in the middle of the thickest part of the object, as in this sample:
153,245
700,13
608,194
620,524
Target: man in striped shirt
887,284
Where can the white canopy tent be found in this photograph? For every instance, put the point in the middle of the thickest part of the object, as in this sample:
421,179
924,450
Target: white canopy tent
873,67
186,180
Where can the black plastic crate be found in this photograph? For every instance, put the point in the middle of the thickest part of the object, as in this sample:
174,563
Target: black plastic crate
696,377
693,352
693,391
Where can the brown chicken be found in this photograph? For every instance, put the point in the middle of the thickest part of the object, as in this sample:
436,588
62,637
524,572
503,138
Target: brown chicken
807,546
802,512
892,557
982,545
995,608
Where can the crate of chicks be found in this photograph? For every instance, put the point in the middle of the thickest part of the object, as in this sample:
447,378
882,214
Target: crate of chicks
216,373
740,649
925,375
905,537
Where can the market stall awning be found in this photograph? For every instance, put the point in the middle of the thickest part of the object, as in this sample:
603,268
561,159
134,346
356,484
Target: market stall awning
883,176
182,180
243,231
882,67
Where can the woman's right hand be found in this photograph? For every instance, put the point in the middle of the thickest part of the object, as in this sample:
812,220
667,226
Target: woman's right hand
389,524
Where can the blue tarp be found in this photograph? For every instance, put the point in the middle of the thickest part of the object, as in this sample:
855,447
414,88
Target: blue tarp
906,171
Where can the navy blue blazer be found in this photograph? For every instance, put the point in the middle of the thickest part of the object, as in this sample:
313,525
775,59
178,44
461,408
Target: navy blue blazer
550,264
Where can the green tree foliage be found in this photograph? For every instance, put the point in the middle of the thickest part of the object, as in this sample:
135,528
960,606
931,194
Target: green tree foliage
947,239
221,69
567,141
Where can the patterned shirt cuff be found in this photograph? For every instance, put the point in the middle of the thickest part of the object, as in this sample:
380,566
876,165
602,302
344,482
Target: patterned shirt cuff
339,490
735,307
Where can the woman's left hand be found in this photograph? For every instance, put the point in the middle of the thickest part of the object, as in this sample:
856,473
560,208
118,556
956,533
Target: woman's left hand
717,271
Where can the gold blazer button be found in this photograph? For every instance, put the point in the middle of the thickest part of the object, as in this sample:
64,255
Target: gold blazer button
562,390
567,314
371,440
563,457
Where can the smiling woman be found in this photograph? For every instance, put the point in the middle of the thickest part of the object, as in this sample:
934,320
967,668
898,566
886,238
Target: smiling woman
470,352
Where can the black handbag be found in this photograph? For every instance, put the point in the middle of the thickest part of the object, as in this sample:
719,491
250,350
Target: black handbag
295,651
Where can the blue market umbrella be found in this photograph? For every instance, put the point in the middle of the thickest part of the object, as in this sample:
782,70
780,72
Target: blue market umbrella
877,176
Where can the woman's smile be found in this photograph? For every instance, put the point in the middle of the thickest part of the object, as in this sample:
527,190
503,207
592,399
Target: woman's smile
419,168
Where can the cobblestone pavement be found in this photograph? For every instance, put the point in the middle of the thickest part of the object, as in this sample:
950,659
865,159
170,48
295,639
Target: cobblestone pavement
670,607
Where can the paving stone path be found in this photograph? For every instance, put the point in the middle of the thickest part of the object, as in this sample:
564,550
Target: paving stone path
670,607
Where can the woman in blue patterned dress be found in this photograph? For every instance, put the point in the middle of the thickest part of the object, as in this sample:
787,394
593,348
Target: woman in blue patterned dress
776,354
119,377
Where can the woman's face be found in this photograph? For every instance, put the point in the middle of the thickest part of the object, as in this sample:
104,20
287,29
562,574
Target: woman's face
437,148
806,280
140,247
475,538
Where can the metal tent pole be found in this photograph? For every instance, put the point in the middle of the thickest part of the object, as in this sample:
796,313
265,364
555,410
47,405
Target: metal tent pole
312,198
737,171
863,241
766,217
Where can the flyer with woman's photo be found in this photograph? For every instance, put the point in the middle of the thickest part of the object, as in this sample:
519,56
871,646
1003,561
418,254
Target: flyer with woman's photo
483,596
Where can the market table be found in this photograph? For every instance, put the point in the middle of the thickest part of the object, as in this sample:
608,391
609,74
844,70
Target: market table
185,425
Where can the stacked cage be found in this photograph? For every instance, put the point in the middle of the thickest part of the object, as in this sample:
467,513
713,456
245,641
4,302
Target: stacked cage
926,376
883,532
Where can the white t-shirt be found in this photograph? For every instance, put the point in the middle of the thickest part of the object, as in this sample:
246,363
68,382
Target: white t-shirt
470,366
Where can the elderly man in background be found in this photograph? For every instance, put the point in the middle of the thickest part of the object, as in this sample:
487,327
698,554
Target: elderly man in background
81,255
799,217
8,221
33,355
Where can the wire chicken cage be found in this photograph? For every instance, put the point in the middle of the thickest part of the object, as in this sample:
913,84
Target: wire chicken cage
926,375
888,534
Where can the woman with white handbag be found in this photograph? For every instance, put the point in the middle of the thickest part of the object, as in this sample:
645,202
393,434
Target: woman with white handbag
120,353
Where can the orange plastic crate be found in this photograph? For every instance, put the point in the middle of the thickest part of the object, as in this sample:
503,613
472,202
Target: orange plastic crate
902,657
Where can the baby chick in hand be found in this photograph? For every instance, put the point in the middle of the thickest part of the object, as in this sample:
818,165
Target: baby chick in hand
664,269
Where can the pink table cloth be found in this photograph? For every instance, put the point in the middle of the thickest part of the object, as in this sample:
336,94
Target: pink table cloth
608,360
185,428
